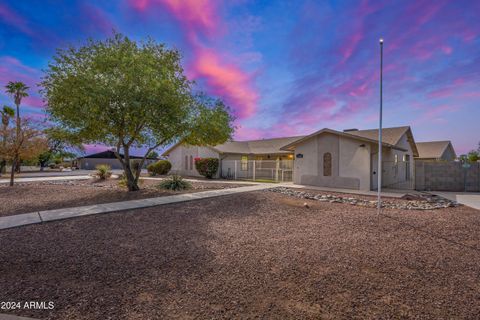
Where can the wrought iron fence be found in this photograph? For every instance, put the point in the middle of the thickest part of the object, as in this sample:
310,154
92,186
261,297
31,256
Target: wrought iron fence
268,170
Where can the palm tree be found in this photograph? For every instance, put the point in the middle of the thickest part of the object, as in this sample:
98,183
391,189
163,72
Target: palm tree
18,91
6,114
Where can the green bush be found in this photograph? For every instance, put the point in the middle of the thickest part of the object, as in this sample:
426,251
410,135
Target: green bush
207,167
103,171
174,182
160,167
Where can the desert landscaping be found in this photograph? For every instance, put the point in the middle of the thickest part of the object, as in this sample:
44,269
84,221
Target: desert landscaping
258,254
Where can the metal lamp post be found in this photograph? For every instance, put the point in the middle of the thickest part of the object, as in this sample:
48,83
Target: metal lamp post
379,170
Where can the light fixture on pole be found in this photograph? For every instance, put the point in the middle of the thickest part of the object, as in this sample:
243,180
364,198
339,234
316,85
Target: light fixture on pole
379,169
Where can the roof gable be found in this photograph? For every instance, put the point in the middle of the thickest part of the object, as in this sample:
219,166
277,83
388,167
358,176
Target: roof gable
292,145
432,149
391,136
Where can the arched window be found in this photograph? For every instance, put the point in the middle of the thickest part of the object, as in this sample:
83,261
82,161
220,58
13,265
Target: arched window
186,162
327,164
191,162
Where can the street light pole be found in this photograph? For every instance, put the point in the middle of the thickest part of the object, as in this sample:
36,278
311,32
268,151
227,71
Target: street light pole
379,169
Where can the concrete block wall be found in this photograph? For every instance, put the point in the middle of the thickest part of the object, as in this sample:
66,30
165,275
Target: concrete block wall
446,176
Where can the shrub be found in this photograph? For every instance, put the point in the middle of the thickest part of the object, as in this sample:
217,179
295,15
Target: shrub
161,167
103,171
174,182
123,182
207,167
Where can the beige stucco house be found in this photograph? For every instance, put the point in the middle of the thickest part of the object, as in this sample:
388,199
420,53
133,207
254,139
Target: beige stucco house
349,159
238,159
436,151
326,158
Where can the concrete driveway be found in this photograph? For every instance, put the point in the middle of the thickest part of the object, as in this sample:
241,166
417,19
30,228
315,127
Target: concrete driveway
471,199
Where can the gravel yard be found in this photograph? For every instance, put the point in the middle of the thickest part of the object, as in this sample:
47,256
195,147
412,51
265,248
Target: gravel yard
250,255
30,197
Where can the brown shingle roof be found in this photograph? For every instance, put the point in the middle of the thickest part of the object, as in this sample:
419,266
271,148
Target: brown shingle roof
432,149
389,135
264,146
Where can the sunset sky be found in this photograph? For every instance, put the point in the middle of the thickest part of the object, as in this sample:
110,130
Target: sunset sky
284,67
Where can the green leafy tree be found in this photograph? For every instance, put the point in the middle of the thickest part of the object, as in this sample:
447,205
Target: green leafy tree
152,154
17,90
6,114
61,144
130,95
473,156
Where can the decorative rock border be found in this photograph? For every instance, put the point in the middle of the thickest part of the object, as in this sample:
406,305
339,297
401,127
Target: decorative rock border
427,202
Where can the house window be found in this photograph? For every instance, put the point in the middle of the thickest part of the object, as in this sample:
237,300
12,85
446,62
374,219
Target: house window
244,163
191,162
186,162
327,164
396,165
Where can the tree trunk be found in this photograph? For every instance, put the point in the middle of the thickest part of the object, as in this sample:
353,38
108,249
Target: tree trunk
12,173
132,183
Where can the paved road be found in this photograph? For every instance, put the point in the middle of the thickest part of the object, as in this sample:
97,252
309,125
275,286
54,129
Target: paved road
471,199
53,174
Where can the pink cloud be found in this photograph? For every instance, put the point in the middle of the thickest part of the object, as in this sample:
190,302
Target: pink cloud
11,69
225,80
447,50
439,93
97,20
15,20
200,18
33,101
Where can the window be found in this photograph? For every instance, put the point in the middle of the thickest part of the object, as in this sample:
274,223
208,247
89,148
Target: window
395,165
186,162
244,163
327,164
191,162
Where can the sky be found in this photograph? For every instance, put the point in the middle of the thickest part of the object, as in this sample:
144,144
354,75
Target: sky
284,67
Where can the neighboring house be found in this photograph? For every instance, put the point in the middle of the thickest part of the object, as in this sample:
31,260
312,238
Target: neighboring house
436,151
325,158
89,162
237,158
349,159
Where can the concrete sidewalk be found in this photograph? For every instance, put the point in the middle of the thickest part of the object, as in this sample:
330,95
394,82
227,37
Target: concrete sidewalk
470,199
66,213
41,179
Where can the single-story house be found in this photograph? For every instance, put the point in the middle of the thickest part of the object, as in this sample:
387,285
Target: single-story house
254,159
327,158
89,162
436,151
349,159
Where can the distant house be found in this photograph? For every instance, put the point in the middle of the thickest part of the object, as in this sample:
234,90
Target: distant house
326,158
436,151
89,162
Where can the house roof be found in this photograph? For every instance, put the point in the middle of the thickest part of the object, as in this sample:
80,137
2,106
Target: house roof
109,154
263,146
389,135
432,149
343,134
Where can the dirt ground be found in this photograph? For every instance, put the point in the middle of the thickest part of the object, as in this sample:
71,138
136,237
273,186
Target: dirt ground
251,255
30,197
